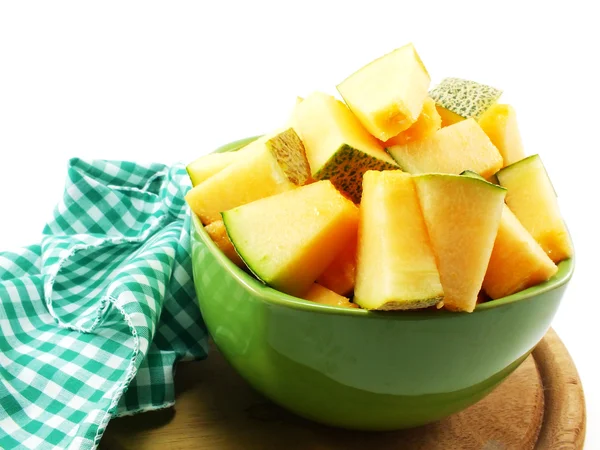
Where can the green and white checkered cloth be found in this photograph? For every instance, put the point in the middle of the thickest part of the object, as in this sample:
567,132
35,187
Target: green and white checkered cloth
93,320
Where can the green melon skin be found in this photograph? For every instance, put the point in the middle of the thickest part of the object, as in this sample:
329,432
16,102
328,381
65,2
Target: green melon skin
464,97
346,167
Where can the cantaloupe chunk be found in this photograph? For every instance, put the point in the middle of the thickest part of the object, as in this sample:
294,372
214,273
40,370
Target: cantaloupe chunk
324,296
459,147
387,95
396,266
206,166
338,148
462,215
458,99
427,124
340,275
216,231
499,122
517,261
261,173
289,239
532,199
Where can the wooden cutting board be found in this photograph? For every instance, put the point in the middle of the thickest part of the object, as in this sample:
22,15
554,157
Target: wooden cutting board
540,406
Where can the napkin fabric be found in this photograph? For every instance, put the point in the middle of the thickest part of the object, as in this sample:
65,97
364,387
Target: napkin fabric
93,319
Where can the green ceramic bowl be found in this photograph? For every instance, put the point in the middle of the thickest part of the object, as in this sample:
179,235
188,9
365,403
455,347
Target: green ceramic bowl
357,369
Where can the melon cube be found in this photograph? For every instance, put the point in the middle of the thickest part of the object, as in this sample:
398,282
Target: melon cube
396,266
462,215
517,261
338,148
532,199
289,239
453,149
387,95
264,170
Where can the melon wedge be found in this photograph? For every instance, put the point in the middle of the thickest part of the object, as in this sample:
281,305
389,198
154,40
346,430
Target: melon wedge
289,239
340,275
459,147
499,122
324,296
206,166
462,215
458,99
396,266
532,199
216,231
338,148
427,124
261,173
517,261
387,95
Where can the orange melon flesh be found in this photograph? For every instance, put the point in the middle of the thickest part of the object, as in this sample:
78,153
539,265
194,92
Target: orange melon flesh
499,122
387,95
459,147
517,261
289,239
396,266
532,199
256,176
206,166
448,117
427,124
340,275
337,146
324,296
216,231
462,215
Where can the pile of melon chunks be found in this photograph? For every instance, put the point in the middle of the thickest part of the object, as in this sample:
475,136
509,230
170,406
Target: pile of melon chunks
399,197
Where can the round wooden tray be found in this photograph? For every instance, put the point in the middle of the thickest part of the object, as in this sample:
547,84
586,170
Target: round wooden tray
540,406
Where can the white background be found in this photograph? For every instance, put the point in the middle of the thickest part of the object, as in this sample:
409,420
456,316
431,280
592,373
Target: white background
170,81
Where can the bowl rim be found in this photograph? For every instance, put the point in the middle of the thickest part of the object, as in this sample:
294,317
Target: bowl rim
268,294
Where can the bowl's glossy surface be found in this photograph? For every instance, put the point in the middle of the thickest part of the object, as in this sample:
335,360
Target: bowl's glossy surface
365,370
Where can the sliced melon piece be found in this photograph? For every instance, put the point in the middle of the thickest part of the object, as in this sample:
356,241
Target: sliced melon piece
206,166
517,261
396,266
532,198
324,296
427,124
216,231
261,173
387,95
289,151
459,99
288,240
499,122
337,146
340,275
462,215
459,147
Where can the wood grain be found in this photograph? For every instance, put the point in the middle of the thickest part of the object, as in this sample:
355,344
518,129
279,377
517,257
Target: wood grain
540,406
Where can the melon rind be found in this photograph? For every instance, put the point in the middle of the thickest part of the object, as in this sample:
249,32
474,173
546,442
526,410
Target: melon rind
464,97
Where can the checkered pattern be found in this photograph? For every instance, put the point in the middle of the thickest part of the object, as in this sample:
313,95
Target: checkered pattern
93,320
